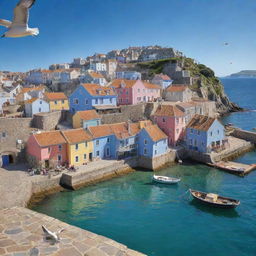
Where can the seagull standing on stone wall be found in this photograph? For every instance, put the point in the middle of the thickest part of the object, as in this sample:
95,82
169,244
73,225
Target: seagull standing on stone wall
19,26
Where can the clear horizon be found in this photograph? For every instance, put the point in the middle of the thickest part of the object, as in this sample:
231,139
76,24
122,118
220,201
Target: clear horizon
198,28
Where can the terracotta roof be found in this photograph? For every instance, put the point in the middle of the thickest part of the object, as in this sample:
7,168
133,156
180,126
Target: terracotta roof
76,135
100,131
128,83
46,139
151,86
30,100
38,88
97,90
168,110
96,75
162,76
55,96
177,88
88,115
155,133
200,122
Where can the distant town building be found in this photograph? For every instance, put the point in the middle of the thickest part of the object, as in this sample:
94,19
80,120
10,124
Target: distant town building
29,93
177,92
85,119
93,77
129,75
35,106
163,80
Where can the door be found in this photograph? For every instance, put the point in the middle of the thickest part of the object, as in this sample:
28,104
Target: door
90,156
5,160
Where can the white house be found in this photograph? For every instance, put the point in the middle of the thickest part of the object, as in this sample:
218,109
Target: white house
34,106
98,66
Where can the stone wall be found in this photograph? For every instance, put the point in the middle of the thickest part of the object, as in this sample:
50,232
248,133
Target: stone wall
11,130
245,135
157,162
47,121
129,112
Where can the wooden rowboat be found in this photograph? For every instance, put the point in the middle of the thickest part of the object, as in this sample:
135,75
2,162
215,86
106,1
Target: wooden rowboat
165,179
214,199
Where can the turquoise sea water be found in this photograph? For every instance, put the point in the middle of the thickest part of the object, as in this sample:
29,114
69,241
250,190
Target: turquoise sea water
163,220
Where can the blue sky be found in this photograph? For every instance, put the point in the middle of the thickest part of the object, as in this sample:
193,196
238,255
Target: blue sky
78,28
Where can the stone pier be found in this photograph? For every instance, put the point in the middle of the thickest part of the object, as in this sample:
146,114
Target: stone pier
21,234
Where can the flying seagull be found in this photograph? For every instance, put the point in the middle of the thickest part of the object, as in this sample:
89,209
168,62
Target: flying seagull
54,236
19,26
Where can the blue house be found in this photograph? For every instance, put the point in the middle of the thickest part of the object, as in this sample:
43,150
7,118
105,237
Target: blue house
92,96
34,106
103,142
205,134
152,142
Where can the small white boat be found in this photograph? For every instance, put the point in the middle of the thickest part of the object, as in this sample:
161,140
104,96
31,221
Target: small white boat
165,179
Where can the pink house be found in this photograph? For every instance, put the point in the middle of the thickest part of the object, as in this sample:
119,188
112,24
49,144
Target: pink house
47,149
132,92
171,120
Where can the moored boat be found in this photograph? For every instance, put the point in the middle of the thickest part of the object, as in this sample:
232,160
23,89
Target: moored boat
165,179
214,199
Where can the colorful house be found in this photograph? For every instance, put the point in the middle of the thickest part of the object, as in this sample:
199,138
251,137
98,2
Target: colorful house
171,120
89,96
79,146
94,78
35,105
178,92
131,92
104,142
153,142
126,143
163,80
29,93
86,119
47,149
57,100
205,134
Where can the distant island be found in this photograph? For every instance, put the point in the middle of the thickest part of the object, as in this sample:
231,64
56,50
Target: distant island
244,74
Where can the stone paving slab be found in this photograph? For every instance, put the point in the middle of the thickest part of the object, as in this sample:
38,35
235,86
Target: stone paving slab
21,234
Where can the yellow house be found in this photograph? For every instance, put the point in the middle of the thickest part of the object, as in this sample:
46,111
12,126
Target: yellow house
57,101
80,146
86,119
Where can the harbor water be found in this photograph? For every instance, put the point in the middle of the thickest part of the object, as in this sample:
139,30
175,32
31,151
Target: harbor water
163,220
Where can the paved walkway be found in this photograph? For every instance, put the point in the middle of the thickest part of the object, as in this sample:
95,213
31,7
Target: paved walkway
21,234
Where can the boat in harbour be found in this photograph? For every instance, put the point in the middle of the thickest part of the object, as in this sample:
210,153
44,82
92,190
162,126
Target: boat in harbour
165,179
214,200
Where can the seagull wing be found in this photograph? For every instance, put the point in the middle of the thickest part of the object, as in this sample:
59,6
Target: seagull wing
49,234
5,23
21,12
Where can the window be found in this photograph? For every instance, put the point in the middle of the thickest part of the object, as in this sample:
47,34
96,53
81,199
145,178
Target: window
77,146
191,130
96,101
138,90
145,151
86,144
218,131
41,102
97,153
97,142
127,92
126,141
98,122
59,158
49,150
86,102
126,100
101,101
60,147
163,120
190,141
39,109
177,120
76,159
55,102
108,140
211,133
63,101
198,132
84,156
165,141
75,101
195,143
145,142
155,152
110,100
143,90
108,152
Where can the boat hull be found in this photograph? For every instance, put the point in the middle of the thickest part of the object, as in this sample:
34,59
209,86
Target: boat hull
170,182
214,204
